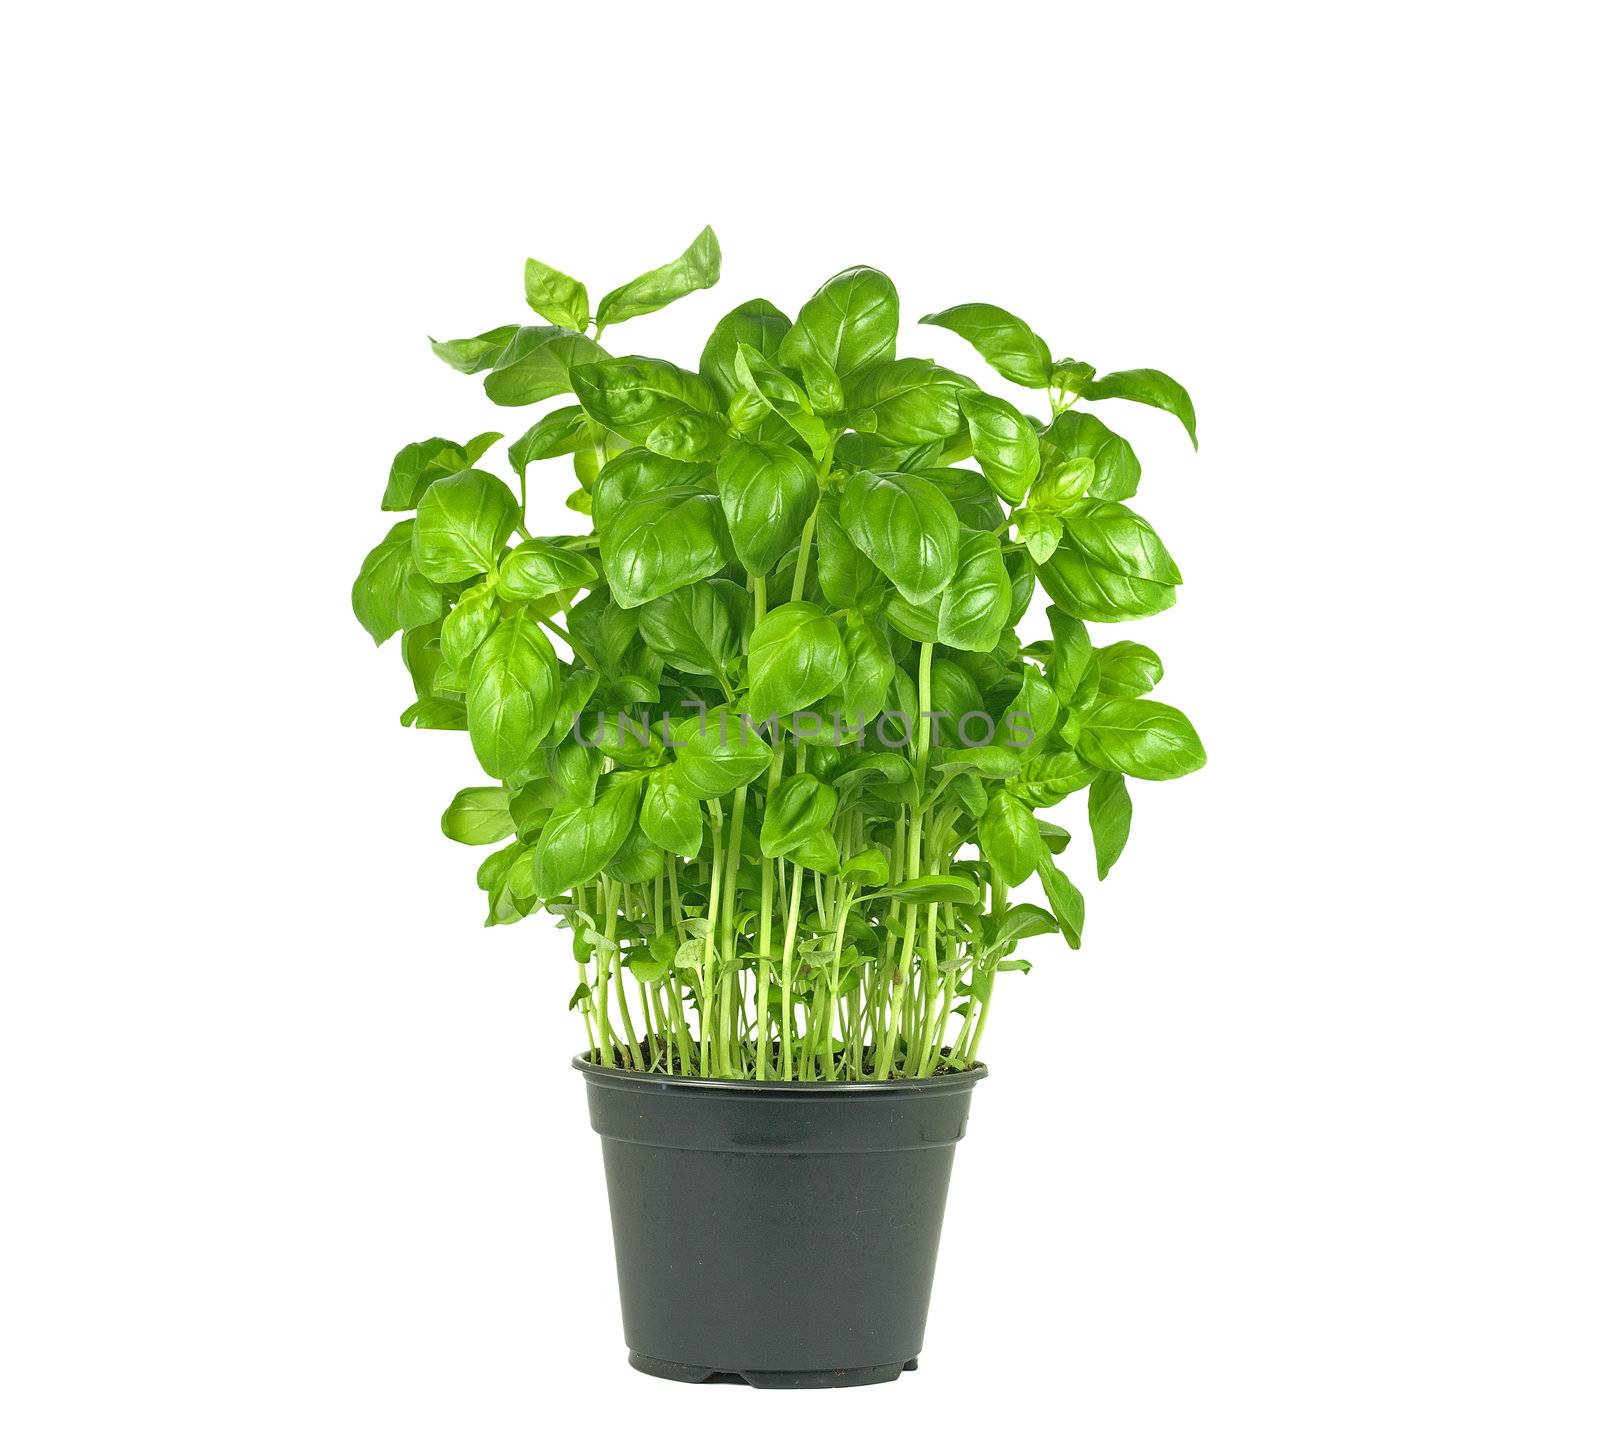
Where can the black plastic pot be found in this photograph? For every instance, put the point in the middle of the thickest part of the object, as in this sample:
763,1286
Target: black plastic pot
783,1233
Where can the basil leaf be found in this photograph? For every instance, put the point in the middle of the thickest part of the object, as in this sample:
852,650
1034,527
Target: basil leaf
868,670
768,492
1082,438
798,809
955,890
1070,654
1009,839
717,753
662,541
796,657
1066,900
511,696
417,465
699,266
468,624
1110,566
693,628
1018,923
1146,385
578,841
1142,738
906,527
389,593
1049,777
555,296
759,325
537,363
539,568
1110,818
845,574
1040,532
975,603
1128,670
670,816
462,524
478,816
631,475
474,354
555,434
1003,442
912,401
646,400
1005,341
850,324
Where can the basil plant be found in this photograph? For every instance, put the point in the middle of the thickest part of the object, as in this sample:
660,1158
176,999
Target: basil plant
762,733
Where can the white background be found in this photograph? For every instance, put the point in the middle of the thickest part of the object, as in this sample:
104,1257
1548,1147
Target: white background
1299,1150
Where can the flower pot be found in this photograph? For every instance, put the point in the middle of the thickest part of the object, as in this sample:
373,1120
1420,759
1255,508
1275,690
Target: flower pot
782,1233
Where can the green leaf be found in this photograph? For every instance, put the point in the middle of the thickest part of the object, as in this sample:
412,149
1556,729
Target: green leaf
912,401
648,401
631,475
417,465
870,867
717,752
798,809
1070,654
1003,442
474,354
756,323
694,628
389,594
796,657
662,541
868,670
974,605
850,324
990,762
1128,670
1049,777
537,363
1082,439
670,815
699,266
763,390
1041,532
1110,818
768,492
468,624
1146,385
1142,738
1018,923
554,436
822,384
511,696
555,296
906,526
462,524
955,890
541,567
1066,900
1008,838
579,840
478,816
846,575
1110,566
1005,341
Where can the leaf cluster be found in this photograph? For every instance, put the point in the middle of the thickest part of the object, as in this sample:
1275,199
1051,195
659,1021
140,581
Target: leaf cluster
762,730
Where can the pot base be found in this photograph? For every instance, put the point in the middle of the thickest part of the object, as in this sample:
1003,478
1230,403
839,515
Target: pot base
688,1373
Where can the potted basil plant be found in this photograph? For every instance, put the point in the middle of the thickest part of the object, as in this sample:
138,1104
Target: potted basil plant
762,737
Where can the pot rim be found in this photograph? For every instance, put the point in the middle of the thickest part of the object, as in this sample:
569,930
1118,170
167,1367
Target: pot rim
619,1078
